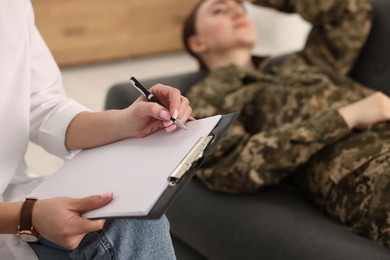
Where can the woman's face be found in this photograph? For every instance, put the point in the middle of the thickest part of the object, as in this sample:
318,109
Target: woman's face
222,25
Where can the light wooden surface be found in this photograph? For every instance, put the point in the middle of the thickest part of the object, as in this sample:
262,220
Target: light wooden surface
88,31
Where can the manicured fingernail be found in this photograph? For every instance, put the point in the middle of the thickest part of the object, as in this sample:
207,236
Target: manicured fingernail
168,123
175,113
165,115
106,195
170,128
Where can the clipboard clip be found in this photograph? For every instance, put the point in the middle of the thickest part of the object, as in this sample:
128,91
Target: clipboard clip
191,158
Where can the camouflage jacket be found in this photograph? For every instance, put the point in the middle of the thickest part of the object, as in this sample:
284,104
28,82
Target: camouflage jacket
289,112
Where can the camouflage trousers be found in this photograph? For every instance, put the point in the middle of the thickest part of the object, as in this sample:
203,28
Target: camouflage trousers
361,200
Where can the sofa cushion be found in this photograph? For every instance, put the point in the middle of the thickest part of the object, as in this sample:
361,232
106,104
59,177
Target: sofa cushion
277,223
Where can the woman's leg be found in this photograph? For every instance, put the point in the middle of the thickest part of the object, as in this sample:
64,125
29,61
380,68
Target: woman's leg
120,239
362,200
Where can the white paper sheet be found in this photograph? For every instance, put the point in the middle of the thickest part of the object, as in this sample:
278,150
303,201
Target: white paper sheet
135,170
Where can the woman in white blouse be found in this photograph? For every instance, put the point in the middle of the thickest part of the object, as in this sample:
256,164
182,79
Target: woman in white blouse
33,107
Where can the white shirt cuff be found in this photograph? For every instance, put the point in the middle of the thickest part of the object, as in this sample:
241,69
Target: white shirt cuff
53,129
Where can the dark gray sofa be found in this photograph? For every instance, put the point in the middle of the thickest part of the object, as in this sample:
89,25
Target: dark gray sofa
279,222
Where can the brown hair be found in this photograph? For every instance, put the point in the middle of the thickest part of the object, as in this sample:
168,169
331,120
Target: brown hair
190,30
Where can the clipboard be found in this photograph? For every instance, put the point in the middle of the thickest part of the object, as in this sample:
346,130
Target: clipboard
145,174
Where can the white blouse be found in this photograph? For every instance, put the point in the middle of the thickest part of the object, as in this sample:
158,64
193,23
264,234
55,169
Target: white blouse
33,106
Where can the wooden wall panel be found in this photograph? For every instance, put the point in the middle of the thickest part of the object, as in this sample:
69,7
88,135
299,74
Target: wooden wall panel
86,31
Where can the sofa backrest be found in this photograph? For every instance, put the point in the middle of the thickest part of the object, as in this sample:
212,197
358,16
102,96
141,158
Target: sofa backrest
182,81
372,68
121,95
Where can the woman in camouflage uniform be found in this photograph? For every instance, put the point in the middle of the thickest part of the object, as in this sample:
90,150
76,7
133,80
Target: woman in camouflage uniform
304,118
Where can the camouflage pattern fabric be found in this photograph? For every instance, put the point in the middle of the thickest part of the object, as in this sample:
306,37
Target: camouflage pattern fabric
289,125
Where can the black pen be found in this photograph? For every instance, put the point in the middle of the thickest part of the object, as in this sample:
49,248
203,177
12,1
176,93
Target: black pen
152,98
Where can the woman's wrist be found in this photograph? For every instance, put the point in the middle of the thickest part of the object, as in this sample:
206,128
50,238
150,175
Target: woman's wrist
348,115
10,217
26,230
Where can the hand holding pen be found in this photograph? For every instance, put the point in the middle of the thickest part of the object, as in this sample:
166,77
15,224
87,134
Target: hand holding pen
145,92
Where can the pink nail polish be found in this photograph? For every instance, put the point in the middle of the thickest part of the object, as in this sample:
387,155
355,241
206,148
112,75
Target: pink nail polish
170,128
167,123
175,113
165,115
106,195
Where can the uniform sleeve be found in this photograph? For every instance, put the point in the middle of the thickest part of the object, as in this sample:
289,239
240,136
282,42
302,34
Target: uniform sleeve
339,30
245,162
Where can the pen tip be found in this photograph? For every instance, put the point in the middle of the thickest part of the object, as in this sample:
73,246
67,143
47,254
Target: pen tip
180,124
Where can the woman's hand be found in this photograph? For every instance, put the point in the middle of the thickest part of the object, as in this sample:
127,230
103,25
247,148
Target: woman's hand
370,110
144,117
59,220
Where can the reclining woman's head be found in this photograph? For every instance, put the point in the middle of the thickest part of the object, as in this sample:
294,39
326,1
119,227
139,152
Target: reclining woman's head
219,33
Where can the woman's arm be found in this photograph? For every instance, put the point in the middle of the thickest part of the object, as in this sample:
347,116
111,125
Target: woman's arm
9,217
56,219
244,163
90,129
245,160
340,29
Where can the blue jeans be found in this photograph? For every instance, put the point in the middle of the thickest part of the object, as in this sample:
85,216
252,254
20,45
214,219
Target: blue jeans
120,239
